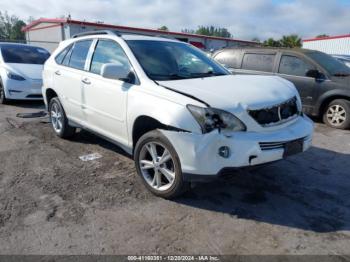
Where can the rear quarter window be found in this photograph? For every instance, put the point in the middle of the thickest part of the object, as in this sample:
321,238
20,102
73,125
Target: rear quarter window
229,58
60,57
258,62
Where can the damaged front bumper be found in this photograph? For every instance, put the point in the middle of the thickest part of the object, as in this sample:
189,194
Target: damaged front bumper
199,153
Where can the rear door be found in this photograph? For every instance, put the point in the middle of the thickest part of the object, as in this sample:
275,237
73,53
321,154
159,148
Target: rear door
294,67
105,100
258,63
68,78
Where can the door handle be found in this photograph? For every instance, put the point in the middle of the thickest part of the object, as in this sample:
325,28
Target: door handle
58,72
86,81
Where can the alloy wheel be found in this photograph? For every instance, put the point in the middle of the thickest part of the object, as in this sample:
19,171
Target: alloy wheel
56,117
336,115
157,166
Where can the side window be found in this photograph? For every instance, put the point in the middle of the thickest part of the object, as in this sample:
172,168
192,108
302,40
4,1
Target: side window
230,58
291,65
258,62
59,58
79,54
107,51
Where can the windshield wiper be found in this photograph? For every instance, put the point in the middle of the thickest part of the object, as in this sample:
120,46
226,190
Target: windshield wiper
169,77
341,74
209,73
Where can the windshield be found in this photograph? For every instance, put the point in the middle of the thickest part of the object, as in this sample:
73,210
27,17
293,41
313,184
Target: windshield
21,54
162,60
332,65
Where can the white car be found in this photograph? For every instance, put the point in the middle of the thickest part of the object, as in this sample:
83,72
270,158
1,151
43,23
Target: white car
180,114
21,69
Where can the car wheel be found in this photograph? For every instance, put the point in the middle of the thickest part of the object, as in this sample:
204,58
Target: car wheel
59,119
159,166
337,114
3,99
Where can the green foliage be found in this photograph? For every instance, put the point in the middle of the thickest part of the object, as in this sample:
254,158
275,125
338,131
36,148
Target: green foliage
10,27
272,42
209,31
163,28
188,31
290,41
322,35
255,39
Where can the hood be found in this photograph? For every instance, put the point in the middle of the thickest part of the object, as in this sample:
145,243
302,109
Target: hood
31,71
232,91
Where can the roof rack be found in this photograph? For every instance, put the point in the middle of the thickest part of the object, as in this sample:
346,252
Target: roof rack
97,32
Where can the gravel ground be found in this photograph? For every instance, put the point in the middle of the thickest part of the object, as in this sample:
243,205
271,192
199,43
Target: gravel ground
53,203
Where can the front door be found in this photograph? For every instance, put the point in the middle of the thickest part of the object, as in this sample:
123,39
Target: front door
294,69
105,100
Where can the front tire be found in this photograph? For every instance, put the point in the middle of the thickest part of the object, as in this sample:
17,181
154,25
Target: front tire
337,114
59,119
159,166
3,99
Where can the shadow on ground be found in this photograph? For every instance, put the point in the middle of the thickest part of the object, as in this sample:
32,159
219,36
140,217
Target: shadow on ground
309,191
26,104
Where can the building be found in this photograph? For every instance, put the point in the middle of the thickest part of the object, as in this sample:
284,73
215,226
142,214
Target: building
48,33
331,45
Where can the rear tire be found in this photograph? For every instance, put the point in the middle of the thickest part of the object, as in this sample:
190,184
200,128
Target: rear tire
159,166
337,114
3,99
59,119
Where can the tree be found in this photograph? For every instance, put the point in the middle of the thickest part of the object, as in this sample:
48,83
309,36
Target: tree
255,39
11,27
272,43
209,31
213,31
163,28
322,35
188,31
291,41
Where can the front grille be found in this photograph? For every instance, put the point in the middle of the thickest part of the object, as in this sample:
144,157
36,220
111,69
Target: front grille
276,114
276,145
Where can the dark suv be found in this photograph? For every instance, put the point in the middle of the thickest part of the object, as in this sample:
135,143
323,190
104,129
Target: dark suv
322,81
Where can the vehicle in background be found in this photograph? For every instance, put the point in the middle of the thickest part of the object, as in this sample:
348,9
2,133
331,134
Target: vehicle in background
343,58
21,69
180,114
323,82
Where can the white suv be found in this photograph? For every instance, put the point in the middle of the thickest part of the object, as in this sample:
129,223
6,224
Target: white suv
179,113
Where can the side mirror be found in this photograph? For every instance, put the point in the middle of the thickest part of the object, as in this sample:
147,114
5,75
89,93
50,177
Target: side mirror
115,71
314,73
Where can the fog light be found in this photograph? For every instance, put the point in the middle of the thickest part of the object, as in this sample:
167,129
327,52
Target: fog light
224,151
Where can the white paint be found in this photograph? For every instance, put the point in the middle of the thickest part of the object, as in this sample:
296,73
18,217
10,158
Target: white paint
340,46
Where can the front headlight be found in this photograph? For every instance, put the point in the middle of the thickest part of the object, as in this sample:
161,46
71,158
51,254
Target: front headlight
211,118
14,76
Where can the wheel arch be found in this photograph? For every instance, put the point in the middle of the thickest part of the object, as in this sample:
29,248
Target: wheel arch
145,123
324,101
49,94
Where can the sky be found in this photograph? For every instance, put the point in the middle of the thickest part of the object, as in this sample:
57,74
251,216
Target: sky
245,19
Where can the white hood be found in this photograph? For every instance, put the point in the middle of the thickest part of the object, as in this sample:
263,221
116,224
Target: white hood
232,91
31,71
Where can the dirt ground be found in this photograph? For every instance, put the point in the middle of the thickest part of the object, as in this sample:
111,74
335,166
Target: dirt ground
53,203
